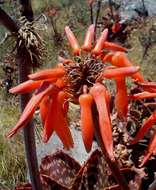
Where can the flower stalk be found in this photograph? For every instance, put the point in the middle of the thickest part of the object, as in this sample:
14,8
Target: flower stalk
28,131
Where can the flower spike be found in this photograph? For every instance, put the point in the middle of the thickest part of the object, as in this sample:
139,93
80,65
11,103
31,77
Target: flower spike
87,46
87,128
100,43
100,95
73,41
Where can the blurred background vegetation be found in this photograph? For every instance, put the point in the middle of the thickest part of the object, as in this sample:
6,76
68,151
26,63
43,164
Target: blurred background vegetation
76,14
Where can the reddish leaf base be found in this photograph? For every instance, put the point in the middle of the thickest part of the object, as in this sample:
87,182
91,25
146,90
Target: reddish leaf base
62,172
59,171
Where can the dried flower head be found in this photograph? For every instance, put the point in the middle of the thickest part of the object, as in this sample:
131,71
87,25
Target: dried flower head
29,39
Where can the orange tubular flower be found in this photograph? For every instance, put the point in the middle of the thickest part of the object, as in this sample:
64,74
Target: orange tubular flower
87,46
121,98
73,41
100,43
47,74
28,86
100,95
30,109
146,126
108,57
114,72
86,101
151,150
113,46
44,108
56,121
119,59
142,95
54,88
147,86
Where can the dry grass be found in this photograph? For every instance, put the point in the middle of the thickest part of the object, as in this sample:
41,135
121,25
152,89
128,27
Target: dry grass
12,161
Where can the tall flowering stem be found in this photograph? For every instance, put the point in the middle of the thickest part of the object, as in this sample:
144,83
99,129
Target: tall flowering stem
24,65
23,60
28,131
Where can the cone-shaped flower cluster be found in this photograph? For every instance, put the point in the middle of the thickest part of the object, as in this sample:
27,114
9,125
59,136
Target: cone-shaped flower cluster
79,82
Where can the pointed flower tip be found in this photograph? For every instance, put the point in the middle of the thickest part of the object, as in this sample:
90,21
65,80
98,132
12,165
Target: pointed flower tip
89,36
11,91
100,43
92,26
106,30
67,28
114,46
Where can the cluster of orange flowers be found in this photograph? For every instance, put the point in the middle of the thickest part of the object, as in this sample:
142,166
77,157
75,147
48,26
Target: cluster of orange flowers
80,82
